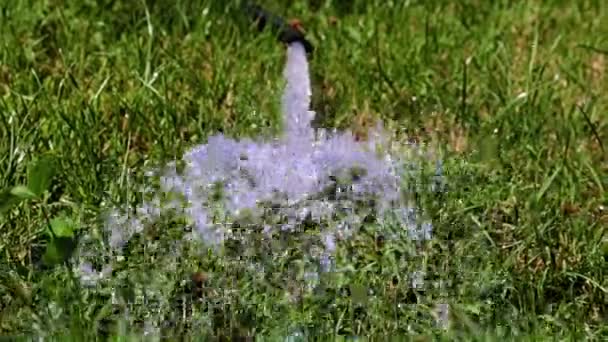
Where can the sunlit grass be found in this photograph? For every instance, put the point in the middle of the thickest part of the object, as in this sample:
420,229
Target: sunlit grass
510,96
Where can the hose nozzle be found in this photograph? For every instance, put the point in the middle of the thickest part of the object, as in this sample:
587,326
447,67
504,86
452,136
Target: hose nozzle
287,32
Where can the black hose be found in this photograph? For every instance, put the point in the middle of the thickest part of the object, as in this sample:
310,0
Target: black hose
285,32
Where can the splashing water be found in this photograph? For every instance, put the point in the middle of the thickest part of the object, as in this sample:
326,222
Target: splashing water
298,176
295,171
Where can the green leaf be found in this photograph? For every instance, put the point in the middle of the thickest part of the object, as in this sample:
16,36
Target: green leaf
8,200
40,174
52,254
58,251
63,227
23,192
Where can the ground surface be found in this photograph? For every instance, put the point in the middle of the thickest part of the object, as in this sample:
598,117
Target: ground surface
512,95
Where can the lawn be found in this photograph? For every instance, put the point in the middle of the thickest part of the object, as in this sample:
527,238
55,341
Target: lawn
508,99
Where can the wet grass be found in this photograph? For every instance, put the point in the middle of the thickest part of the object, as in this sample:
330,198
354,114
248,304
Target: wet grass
512,96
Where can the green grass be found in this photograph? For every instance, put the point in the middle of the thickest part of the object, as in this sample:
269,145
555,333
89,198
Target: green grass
511,95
